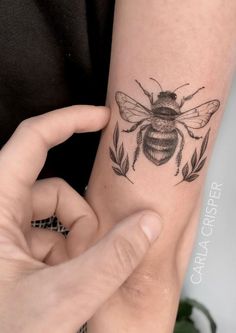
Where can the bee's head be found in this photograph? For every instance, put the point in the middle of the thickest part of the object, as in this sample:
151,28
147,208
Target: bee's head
167,93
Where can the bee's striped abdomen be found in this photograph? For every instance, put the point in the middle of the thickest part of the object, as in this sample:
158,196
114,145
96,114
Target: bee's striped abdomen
159,147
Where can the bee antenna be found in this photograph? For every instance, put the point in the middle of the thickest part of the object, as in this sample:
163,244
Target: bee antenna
186,84
151,78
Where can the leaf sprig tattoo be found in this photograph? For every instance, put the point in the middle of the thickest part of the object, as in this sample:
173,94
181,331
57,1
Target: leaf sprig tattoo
118,156
190,170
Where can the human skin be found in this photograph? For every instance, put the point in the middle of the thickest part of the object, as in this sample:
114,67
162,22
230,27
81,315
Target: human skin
174,42
41,286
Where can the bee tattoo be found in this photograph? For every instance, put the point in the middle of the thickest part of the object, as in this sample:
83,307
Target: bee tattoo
159,129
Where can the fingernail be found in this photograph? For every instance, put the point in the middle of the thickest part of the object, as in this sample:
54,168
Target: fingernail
151,226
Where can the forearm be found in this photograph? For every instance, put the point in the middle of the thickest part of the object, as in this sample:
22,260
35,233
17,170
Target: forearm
176,43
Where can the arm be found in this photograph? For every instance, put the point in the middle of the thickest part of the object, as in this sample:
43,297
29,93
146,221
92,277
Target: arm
176,43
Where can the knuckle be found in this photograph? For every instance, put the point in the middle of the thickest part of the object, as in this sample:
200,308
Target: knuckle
59,182
32,127
126,253
29,127
27,123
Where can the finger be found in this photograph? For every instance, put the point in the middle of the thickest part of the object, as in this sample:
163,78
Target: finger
54,196
47,246
24,155
85,283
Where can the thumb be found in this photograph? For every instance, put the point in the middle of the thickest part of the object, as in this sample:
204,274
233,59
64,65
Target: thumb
83,284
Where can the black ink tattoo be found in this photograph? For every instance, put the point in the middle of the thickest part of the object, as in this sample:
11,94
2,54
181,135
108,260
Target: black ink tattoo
118,156
160,127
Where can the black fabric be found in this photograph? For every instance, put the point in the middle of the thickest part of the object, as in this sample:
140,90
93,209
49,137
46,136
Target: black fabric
54,53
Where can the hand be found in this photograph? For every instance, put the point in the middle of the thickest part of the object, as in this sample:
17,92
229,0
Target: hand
41,289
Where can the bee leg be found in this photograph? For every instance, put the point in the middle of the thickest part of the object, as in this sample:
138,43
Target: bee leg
133,128
194,136
150,96
179,154
191,134
187,98
139,140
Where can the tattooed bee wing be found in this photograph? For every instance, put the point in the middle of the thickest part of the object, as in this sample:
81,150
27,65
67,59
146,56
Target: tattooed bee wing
131,110
199,116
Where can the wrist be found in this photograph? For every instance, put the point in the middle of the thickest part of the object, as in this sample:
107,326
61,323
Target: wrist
141,305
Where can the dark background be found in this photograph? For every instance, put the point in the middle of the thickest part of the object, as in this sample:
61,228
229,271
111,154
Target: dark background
55,53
